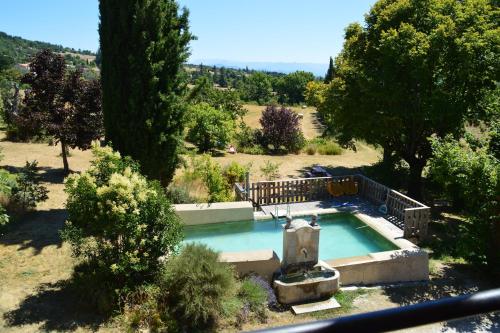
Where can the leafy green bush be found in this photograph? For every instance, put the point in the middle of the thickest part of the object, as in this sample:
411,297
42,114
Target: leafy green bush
119,222
253,150
4,217
194,286
471,178
211,174
245,136
28,191
179,194
270,170
235,173
7,183
209,128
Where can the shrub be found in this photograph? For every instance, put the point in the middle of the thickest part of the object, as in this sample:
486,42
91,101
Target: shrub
323,146
143,311
253,294
28,191
211,174
179,194
209,128
471,178
235,173
271,300
281,130
4,217
119,222
311,149
270,170
194,285
329,148
7,183
253,150
245,136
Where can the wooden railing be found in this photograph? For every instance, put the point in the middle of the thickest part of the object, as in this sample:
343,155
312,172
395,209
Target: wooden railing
411,215
288,191
408,214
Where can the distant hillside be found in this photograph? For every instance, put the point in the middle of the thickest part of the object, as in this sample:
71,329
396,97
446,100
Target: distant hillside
21,50
281,67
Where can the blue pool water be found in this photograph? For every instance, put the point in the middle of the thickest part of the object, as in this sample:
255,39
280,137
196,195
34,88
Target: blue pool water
342,235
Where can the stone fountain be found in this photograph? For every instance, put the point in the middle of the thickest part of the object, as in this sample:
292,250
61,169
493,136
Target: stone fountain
303,276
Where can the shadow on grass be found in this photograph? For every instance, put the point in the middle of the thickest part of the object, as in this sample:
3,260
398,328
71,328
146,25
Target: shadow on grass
35,230
47,174
56,307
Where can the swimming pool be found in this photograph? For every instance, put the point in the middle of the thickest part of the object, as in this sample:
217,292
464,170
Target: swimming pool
342,235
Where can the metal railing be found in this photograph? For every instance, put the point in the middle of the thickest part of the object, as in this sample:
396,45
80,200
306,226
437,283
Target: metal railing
402,317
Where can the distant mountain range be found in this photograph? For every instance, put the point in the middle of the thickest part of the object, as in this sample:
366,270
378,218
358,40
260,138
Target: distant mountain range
282,67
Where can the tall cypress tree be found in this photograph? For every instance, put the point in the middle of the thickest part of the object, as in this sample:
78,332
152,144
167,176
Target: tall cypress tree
330,74
144,44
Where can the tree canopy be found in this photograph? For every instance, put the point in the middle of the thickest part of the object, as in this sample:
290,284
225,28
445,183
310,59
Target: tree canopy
143,48
415,69
330,72
291,87
65,105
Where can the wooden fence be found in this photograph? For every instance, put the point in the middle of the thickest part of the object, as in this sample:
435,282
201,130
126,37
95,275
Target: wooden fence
408,214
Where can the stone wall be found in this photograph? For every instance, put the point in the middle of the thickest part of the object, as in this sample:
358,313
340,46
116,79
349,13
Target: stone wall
262,262
193,214
383,267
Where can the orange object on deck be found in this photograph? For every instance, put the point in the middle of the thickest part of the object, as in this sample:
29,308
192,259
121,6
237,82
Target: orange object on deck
335,189
351,187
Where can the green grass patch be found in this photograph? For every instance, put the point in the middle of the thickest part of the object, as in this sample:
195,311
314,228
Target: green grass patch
346,301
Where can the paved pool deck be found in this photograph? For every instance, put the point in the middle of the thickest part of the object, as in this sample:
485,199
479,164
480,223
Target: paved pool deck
334,205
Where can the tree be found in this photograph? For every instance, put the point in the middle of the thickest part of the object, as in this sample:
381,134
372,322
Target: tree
258,88
6,62
144,46
292,87
225,100
65,105
209,128
330,74
415,69
281,129
315,93
222,81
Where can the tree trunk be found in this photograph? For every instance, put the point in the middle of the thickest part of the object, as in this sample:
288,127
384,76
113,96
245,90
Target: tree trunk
415,179
387,156
65,156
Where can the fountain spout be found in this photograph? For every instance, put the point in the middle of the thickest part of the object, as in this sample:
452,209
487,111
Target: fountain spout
304,251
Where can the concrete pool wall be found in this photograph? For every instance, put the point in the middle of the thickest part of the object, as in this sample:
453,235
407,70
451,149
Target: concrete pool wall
407,263
203,213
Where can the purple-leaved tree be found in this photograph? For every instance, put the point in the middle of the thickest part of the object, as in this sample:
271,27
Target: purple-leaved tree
281,129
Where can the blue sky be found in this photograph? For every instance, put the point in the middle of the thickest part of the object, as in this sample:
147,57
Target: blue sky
240,30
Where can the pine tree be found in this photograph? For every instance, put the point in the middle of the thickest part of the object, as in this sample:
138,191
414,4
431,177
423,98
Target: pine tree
222,78
330,74
144,44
